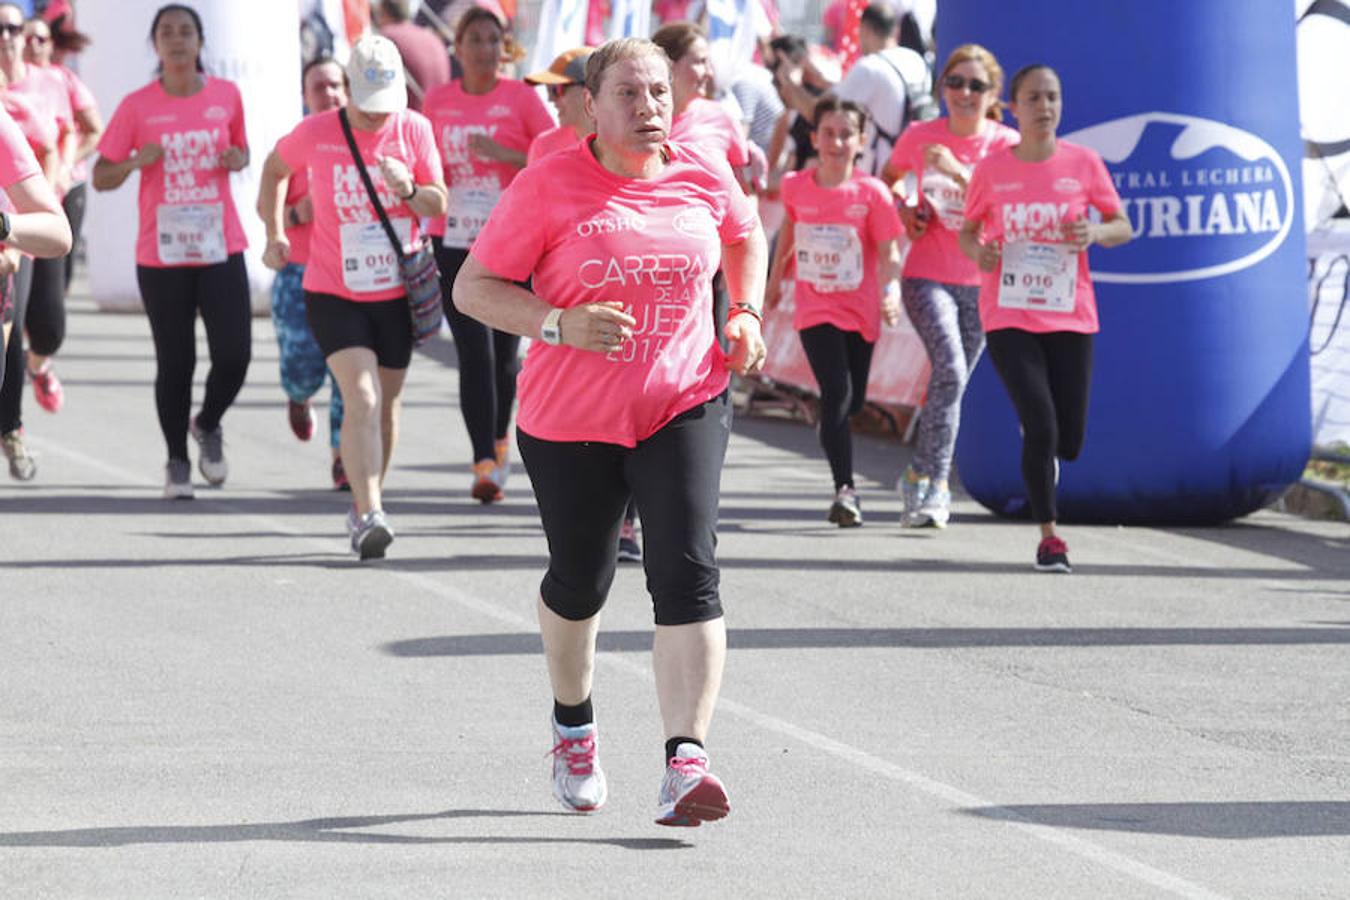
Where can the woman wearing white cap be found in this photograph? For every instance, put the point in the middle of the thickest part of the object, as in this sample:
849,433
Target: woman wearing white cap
354,296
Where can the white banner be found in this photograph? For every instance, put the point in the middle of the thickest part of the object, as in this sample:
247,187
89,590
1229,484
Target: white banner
562,26
263,62
630,18
733,27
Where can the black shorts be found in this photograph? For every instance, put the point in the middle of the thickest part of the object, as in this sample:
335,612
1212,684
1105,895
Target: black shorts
384,326
583,488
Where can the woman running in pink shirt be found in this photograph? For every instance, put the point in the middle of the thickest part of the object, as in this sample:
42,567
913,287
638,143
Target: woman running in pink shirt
484,125
625,392
184,132
941,288
841,231
1026,227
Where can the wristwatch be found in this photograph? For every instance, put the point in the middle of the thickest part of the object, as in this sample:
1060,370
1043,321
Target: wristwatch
551,331
4,226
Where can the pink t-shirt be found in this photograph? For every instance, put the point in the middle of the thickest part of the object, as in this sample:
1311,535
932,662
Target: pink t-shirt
835,236
38,131
187,212
563,137
653,244
17,161
49,93
1022,205
350,254
512,115
937,255
81,100
707,124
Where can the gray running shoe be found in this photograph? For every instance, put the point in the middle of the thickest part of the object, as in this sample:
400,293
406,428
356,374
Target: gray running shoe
373,536
914,490
578,782
212,460
934,513
178,480
846,512
22,467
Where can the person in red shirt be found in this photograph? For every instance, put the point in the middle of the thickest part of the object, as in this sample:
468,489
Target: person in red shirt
1027,228
184,132
424,55
625,393
484,124
355,299
841,231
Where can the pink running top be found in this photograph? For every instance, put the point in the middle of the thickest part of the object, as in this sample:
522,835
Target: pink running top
835,236
937,255
350,255
512,115
563,137
17,161
187,212
653,244
1040,283
705,123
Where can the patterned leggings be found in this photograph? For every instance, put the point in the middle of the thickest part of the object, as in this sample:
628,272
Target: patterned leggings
303,369
947,319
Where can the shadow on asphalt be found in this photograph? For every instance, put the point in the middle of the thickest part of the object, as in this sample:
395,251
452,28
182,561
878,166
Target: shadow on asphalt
330,830
1224,821
529,643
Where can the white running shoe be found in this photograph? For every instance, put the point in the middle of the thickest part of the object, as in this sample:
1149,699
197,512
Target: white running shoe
578,781
372,536
211,462
690,794
846,511
178,480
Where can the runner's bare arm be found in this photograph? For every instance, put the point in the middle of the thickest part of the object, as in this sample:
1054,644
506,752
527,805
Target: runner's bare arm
744,265
271,209
782,252
986,254
109,175
1111,232
38,225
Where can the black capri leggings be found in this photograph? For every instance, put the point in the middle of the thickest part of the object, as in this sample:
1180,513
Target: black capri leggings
172,297
488,363
841,361
1048,378
11,378
583,488
74,204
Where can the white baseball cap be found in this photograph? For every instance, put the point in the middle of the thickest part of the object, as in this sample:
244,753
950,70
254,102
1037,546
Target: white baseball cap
375,71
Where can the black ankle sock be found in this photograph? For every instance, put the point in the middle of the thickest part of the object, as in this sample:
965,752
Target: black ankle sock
572,716
673,744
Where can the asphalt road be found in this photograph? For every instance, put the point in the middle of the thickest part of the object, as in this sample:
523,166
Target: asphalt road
215,699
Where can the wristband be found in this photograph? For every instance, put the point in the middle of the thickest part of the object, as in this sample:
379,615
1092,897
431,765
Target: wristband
411,194
892,289
739,308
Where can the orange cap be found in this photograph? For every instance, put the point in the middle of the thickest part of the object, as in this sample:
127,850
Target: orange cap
568,68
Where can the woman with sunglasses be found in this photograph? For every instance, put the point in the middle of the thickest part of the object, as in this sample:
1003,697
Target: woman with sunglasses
184,132
39,99
565,80
1027,228
941,287
484,124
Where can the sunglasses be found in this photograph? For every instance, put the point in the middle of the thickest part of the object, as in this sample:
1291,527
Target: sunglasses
39,39
557,90
9,29
957,83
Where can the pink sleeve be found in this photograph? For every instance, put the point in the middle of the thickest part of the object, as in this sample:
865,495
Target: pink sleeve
238,135
883,221
119,138
426,166
292,148
513,240
976,203
17,161
1102,189
904,155
81,98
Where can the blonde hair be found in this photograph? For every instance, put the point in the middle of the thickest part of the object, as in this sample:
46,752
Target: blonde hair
977,54
617,51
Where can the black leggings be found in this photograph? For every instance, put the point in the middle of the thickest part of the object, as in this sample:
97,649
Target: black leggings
73,204
11,383
582,489
488,363
1048,378
172,297
46,323
840,360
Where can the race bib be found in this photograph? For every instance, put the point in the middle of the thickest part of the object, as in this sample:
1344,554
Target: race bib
829,257
1038,276
469,211
191,234
369,262
946,197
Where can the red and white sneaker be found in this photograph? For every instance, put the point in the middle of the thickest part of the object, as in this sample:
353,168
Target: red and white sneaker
578,782
47,388
690,794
